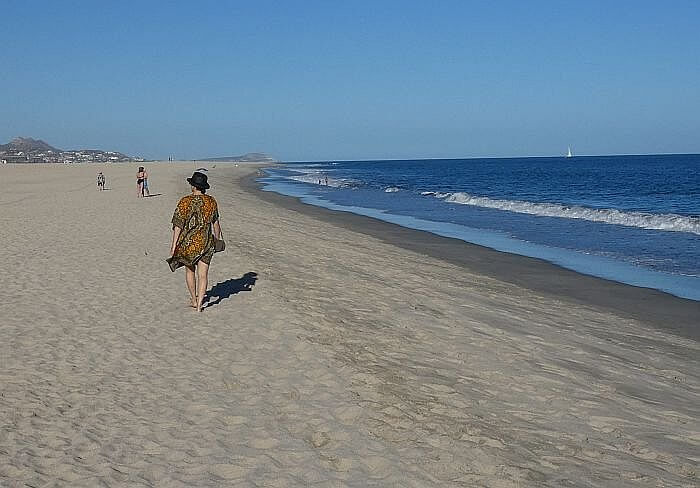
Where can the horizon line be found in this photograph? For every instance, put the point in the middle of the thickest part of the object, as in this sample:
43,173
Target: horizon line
563,156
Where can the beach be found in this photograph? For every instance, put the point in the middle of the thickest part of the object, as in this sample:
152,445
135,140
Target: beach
335,351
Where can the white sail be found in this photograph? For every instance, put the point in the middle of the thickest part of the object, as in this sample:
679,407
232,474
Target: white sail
569,154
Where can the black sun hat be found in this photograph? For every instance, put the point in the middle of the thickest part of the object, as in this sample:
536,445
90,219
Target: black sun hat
198,180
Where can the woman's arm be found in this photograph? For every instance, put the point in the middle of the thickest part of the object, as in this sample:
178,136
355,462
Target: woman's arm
176,235
217,230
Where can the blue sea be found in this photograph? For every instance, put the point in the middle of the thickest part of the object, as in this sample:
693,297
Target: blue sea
632,219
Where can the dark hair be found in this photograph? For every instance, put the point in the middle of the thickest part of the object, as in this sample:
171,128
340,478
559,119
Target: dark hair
140,169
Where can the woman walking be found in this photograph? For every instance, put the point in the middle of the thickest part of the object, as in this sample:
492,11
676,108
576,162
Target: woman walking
196,227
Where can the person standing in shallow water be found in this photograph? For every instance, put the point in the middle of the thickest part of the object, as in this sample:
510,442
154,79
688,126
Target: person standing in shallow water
195,227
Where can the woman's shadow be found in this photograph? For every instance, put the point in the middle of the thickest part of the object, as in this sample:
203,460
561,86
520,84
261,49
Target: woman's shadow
225,289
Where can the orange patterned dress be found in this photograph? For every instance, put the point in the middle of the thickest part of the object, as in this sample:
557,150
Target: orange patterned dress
195,215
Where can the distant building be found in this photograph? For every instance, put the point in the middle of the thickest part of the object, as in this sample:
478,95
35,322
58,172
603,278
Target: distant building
10,158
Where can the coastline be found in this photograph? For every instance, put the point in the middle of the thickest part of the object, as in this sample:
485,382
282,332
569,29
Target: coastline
325,356
654,307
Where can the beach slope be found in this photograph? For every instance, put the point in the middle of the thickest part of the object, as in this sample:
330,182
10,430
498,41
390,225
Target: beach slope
326,356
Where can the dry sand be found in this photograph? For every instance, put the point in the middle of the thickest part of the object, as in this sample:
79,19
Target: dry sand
347,361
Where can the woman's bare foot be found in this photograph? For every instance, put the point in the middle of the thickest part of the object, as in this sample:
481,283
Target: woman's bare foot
193,302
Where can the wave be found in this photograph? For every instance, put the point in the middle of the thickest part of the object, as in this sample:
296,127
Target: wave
321,177
435,194
318,179
667,222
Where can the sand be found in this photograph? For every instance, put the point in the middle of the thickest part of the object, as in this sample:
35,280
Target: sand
328,356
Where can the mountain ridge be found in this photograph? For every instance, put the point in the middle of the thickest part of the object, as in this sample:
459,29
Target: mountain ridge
30,150
27,144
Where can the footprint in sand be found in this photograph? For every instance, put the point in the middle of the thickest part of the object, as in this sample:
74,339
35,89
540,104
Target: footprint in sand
320,439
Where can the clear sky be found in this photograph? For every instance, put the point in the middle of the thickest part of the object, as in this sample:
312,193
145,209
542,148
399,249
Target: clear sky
316,80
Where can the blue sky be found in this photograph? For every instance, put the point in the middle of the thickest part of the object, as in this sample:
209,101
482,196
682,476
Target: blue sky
316,80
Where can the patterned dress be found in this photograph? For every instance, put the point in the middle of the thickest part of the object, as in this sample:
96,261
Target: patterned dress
195,215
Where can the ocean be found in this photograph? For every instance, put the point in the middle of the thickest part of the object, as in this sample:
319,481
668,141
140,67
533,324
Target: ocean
632,219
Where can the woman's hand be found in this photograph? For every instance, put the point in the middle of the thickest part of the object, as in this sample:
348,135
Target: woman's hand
173,242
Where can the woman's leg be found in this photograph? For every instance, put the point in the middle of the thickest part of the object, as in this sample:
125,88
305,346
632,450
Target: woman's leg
202,279
190,279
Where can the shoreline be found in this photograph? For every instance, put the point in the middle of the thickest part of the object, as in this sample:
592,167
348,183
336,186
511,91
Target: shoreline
324,356
654,307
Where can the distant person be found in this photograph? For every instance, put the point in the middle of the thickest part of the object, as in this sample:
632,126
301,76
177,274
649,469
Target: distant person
196,228
100,181
145,192
326,180
140,176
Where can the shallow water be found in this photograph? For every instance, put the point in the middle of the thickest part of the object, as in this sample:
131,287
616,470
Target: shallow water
633,219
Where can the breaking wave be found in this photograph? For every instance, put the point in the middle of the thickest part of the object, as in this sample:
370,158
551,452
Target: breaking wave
435,194
319,177
667,222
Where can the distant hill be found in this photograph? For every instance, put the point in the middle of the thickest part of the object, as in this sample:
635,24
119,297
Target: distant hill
28,150
27,144
245,158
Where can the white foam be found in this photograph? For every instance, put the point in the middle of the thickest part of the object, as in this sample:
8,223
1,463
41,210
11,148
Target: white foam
315,179
392,189
435,194
307,174
668,222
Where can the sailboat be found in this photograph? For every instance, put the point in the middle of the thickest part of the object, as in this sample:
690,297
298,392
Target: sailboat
569,154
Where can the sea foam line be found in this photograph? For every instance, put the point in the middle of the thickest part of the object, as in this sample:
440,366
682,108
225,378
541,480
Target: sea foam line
315,177
668,222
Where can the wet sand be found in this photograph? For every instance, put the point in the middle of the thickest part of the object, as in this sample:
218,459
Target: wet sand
336,351
653,307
